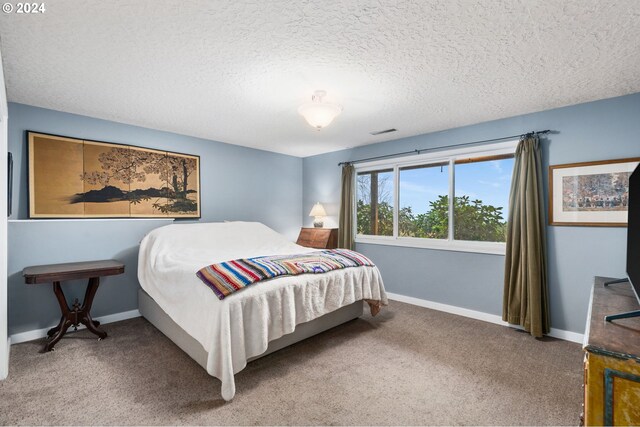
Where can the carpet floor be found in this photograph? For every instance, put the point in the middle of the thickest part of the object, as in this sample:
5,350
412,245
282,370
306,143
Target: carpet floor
407,366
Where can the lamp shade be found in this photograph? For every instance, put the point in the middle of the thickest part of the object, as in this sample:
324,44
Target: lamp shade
317,210
318,113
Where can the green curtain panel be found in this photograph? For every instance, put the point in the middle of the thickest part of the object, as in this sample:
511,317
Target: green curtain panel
526,300
345,232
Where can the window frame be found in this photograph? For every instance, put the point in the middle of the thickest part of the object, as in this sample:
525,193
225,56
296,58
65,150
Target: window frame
449,156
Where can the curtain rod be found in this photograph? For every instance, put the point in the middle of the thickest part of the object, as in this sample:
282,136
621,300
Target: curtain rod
418,151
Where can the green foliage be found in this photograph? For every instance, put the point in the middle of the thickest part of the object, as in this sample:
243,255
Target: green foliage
385,219
363,213
473,220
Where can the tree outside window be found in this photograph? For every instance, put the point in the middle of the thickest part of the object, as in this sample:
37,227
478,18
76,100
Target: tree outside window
480,203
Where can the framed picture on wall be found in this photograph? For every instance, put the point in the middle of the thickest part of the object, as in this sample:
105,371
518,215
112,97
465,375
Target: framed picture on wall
76,178
590,193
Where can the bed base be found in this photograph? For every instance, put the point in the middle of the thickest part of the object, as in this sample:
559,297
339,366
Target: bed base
151,311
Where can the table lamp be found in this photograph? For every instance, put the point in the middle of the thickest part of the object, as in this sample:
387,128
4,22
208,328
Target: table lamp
318,212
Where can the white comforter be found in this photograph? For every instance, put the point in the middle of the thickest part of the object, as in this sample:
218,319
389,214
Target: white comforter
240,326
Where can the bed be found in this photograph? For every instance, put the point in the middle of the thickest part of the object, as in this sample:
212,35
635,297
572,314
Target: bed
223,335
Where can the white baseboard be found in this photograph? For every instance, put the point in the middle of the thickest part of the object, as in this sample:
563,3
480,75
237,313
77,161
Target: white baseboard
473,314
479,315
567,335
41,333
4,369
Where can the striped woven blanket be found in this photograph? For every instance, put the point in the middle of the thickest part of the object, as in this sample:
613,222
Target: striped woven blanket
230,276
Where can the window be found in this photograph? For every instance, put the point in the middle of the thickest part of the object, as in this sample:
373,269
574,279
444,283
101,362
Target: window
375,202
482,198
455,200
424,206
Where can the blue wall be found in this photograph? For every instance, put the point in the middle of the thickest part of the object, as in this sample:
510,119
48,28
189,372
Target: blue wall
599,130
237,183
607,129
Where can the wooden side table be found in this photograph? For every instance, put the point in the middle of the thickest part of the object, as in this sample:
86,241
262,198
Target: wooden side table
56,273
319,238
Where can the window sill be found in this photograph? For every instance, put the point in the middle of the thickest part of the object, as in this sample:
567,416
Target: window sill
491,248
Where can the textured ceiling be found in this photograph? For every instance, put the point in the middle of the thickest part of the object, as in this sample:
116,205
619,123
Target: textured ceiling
236,71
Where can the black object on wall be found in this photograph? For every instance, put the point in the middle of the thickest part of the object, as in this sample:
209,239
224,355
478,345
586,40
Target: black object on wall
633,232
9,183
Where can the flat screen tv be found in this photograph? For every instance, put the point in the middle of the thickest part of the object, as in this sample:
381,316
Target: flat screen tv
633,244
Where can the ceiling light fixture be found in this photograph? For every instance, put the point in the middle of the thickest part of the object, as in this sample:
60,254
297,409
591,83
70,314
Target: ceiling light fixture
317,113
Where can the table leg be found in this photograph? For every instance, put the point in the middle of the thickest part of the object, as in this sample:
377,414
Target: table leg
65,321
77,315
55,329
85,310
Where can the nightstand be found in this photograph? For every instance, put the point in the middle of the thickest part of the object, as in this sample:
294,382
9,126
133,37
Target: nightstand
319,238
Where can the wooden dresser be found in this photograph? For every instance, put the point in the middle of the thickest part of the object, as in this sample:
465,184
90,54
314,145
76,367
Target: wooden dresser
612,358
319,238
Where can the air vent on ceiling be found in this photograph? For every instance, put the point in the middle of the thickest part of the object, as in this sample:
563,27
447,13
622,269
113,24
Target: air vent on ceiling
380,132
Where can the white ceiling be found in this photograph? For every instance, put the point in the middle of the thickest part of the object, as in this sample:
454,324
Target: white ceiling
236,71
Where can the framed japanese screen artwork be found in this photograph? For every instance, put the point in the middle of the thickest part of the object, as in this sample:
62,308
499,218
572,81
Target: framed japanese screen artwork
76,178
